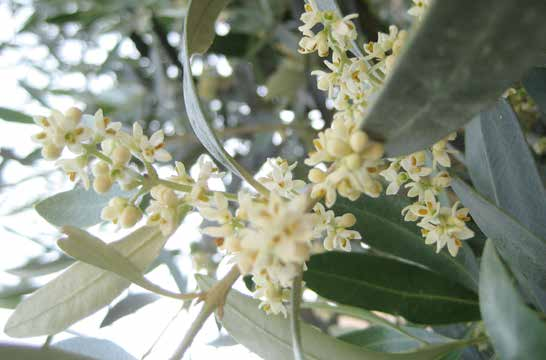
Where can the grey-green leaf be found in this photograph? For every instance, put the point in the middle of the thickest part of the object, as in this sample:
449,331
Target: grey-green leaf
77,207
26,352
200,18
461,57
383,228
515,330
15,116
502,169
94,348
521,247
128,306
92,250
394,287
82,289
269,335
41,265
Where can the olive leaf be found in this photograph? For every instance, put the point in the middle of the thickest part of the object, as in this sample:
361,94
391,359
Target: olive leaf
387,285
456,62
27,352
515,330
269,335
128,306
77,207
15,116
198,35
82,289
93,348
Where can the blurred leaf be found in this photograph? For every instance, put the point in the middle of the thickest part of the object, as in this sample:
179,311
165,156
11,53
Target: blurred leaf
10,302
85,18
15,116
92,250
503,170
196,22
535,84
199,25
269,335
383,228
222,340
232,44
524,248
383,339
515,330
77,207
82,289
394,287
42,265
131,304
99,349
35,93
27,352
450,69
286,80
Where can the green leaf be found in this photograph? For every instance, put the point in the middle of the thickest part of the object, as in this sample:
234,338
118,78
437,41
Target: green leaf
269,335
535,84
27,352
41,265
383,228
92,250
198,28
419,295
77,207
384,339
286,80
82,289
456,62
15,116
503,170
128,306
523,248
515,330
94,348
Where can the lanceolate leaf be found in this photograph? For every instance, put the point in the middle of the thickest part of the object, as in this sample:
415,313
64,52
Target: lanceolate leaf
94,348
503,170
26,352
42,265
203,13
515,330
269,335
77,207
387,285
92,250
522,248
82,289
383,228
462,56
14,116
128,306
379,338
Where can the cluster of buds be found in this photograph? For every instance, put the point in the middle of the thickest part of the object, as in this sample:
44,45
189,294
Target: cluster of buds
424,175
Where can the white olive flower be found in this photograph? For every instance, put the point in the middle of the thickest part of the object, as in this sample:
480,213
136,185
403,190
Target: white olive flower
104,127
76,169
280,178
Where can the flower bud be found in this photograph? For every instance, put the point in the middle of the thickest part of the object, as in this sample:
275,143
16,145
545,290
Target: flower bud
373,152
101,168
121,155
102,183
337,148
51,152
73,114
359,141
130,216
353,162
346,220
316,175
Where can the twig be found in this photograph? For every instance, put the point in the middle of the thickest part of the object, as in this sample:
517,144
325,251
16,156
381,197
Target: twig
295,300
214,298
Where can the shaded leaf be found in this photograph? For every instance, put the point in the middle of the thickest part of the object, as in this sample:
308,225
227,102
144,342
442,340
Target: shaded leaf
515,330
77,207
15,116
535,84
456,62
286,80
269,335
94,348
27,352
200,19
383,228
128,306
503,170
82,289
419,295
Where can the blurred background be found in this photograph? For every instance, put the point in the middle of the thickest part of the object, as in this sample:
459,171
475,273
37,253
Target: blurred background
123,56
